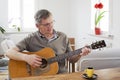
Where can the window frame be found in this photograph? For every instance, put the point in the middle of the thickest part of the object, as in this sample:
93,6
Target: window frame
21,17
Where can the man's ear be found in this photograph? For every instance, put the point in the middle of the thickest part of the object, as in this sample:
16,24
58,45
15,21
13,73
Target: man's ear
37,25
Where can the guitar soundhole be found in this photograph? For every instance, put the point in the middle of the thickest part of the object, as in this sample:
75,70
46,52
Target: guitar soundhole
44,63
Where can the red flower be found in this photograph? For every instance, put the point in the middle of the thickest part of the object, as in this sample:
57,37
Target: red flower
100,6
98,15
96,6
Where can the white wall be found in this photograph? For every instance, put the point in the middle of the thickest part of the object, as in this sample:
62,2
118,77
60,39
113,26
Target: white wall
79,24
115,22
60,12
73,18
3,17
3,13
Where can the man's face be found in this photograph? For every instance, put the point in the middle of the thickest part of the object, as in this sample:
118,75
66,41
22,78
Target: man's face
46,25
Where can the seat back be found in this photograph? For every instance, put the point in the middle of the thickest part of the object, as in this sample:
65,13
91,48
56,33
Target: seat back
71,66
7,44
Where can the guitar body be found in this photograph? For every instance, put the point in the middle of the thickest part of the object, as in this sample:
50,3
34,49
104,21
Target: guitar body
22,69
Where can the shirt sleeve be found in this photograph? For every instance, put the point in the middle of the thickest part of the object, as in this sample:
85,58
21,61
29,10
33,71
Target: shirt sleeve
23,44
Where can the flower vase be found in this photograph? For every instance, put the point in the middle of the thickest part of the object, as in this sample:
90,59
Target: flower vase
97,31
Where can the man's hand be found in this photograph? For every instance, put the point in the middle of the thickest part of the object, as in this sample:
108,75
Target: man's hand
33,60
85,51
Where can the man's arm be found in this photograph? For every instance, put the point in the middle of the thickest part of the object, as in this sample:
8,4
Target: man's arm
14,53
75,58
33,60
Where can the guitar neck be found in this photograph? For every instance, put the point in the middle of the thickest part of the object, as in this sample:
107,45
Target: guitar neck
64,56
96,45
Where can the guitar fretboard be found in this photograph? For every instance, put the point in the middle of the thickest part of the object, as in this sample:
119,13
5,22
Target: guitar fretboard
64,56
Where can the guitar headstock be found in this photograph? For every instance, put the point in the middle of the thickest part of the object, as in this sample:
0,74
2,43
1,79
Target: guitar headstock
98,44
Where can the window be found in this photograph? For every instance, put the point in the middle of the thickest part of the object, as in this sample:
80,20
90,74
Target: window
104,23
21,14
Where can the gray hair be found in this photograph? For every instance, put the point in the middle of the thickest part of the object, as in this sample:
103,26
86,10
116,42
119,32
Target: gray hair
42,14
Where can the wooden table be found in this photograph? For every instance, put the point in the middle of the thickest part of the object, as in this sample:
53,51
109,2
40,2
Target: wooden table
103,74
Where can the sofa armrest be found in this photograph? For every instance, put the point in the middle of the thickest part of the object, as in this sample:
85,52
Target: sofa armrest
99,63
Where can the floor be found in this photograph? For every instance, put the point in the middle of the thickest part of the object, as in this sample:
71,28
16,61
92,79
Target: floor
4,69
3,74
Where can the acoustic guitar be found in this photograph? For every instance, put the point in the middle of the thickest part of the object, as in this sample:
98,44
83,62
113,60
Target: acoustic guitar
49,62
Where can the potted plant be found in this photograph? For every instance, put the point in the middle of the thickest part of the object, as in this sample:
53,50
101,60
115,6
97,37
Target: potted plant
16,27
2,30
98,16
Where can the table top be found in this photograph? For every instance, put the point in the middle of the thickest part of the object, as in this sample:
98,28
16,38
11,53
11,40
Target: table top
103,74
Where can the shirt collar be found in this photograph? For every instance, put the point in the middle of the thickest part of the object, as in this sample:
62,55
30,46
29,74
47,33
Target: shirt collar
54,32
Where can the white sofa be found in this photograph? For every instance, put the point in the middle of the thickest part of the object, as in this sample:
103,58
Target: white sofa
101,59
5,45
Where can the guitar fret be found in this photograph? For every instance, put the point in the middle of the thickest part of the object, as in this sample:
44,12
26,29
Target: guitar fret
63,56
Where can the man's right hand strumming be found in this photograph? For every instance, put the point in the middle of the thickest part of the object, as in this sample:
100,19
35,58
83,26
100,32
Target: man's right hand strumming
33,60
